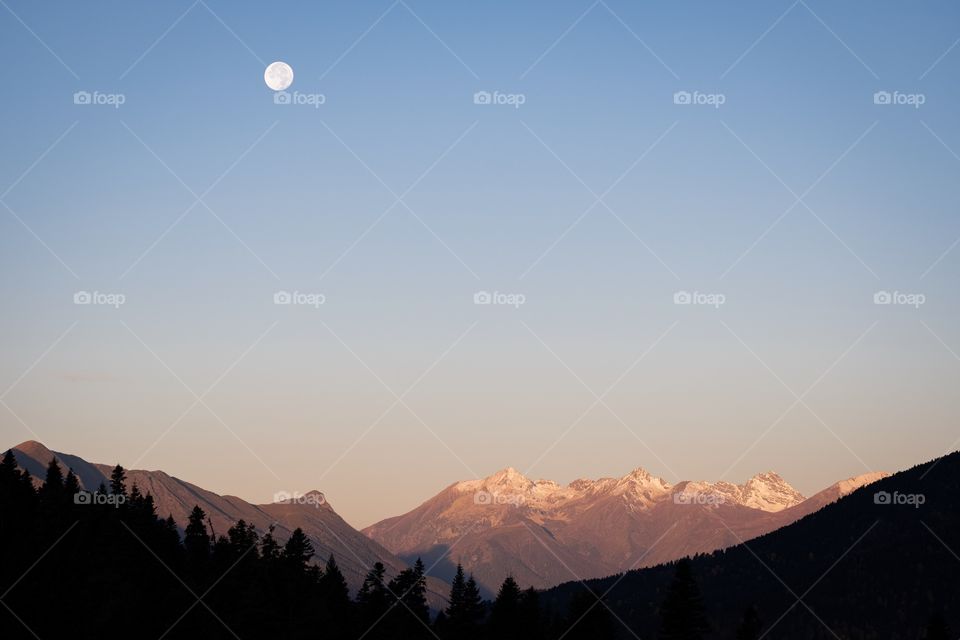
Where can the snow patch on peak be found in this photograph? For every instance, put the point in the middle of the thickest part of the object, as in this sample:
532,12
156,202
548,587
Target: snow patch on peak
850,485
769,492
508,476
642,486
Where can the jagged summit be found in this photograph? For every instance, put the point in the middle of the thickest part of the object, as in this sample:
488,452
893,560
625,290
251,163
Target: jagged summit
766,491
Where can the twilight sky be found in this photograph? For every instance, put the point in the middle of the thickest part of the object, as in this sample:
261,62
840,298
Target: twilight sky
588,189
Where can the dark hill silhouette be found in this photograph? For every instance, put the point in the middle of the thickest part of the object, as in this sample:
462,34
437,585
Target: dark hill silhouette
860,568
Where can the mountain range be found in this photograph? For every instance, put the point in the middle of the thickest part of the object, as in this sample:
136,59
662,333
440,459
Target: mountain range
544,533
327,531
882,562
540,532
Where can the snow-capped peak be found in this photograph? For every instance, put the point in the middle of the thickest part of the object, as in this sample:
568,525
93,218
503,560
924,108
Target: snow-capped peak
639,488
769,492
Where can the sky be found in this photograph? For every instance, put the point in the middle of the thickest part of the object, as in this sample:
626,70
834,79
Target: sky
479,283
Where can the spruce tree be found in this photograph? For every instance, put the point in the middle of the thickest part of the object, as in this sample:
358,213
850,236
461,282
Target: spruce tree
682,615
504,616
8,467
118,478
409,613
529,614
335,601
455,604
195,537
473,601
333,586
372,599
464,609
269,547
297,551
52,489
71,486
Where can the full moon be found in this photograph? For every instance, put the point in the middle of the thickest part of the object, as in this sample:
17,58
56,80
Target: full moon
278,76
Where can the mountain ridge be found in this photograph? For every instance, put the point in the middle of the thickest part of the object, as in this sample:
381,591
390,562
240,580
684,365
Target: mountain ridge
327,531
507,523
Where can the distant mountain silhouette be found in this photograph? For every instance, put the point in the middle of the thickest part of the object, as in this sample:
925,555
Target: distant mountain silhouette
881,562
327,531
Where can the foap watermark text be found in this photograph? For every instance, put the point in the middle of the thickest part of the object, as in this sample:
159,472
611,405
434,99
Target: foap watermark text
299,298
715,300
514,300
101,298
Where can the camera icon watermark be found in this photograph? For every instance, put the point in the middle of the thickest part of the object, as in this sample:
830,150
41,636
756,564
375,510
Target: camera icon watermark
115,300
314,498
715,300
314,100
299,298
515,300
698,98
699,498
896,98
85,498
488,498
915,300
896,498
115,100
515,100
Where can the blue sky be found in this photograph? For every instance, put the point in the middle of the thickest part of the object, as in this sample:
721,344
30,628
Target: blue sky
797,200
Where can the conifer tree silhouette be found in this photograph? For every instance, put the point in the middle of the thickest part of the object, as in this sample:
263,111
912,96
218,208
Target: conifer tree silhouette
682,614
71,486
195,538
297,551
373,601
505,614
118,479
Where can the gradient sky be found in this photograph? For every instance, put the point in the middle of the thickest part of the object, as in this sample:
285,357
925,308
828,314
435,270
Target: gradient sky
296,198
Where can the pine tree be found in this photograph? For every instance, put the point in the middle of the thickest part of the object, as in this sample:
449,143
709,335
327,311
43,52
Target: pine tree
335,599
409,613
118,479
529,614
52,489
372,598
71,485
195,537
12,490
8,467
333,586
455,604
243,539
297,551
504,616
464,610
473,601
682,614
269,548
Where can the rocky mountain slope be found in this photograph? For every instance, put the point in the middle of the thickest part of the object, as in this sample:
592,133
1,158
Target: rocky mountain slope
329,533
544,533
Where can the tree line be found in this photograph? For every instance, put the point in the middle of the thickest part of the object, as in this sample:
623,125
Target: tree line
107,562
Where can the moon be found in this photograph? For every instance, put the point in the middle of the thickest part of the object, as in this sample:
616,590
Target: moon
278,76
